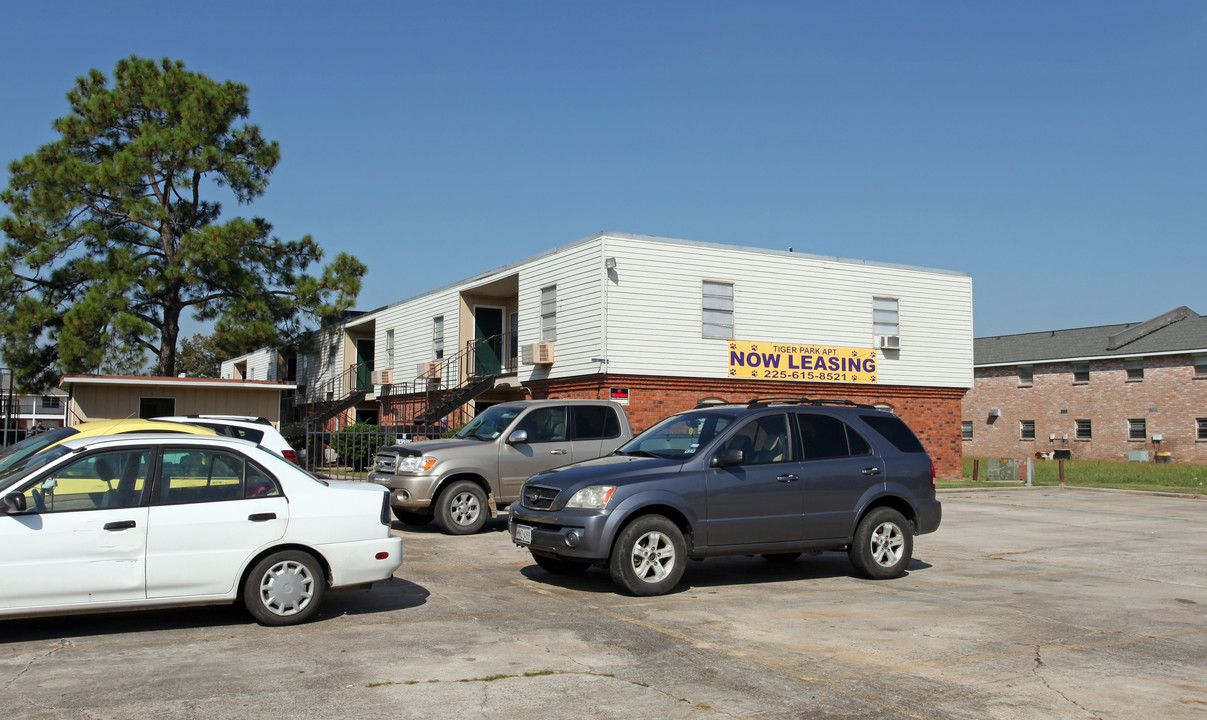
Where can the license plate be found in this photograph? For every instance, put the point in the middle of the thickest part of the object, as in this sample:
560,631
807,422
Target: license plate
523,534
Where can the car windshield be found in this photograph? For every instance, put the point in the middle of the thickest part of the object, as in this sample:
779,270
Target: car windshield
489,424
678,436
14,457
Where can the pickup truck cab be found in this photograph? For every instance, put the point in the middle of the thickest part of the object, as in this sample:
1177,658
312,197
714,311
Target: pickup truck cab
463,479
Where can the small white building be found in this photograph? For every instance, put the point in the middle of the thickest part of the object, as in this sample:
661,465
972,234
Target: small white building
661,324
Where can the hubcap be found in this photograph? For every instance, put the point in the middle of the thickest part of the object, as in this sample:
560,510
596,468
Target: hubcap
653,557
887,542
287,587
465,508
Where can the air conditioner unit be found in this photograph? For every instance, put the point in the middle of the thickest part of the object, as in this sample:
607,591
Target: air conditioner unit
382,377
995,412
428,371
538,354
888,342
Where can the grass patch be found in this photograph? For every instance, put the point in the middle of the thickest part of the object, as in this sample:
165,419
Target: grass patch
1153,477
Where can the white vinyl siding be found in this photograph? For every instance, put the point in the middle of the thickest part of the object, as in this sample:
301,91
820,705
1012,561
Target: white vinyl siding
653,310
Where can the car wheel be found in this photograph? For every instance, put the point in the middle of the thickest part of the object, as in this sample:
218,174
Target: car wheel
461,509
781,558
410,517
560,566
883,544
284,588
649,556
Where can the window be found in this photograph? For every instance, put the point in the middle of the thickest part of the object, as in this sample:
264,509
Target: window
1200,365
1026,375
545,425
1026,429
1202,423
1135,369
885,319
1081,372
390,348
1137,429
52,402
823,436
150,407
438,337
895,431
102,481
966,430
330,361
594,422
763,440
718,310
1084,431
191,475
549,313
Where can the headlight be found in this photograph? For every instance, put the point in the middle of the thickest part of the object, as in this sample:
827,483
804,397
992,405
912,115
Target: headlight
416,463
595,497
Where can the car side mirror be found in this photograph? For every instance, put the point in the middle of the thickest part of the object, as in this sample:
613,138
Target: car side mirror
519,437
727,458
14,502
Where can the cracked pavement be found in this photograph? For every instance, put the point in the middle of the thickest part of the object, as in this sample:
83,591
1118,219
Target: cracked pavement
1030,603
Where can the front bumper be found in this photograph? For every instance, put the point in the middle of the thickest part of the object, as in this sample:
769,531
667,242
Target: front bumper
576,534
407,491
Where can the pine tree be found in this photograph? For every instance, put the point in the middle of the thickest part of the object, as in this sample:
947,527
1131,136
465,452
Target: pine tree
111,240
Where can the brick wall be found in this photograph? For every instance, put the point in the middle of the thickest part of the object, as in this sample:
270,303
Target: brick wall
1170,398
932,413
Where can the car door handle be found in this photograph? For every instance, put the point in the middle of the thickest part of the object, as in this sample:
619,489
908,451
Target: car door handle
871,471
120,525
786,478
262,517
558,451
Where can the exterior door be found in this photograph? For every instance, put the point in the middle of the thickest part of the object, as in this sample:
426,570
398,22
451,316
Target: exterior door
839,468
488,332
84,536
212,510
548,447
760,500
364,364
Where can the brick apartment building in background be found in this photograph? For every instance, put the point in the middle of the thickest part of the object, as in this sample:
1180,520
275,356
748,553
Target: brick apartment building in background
1136,391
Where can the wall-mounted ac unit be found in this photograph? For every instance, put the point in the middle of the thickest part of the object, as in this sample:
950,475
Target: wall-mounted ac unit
995,412
382,377
888,342
538,354
428,371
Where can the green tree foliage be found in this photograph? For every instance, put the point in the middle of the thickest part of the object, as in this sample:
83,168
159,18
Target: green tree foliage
199,357
110,238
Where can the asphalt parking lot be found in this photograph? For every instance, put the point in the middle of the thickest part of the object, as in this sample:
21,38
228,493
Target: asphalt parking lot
1029,603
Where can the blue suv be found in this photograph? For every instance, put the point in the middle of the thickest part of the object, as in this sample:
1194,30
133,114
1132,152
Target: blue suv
775,477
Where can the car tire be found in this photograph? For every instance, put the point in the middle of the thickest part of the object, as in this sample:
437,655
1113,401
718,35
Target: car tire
649,556
461,509
781,558
284,588
410,517
560,566
883,544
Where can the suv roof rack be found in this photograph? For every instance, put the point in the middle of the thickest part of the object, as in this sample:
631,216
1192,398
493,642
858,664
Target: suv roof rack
763,402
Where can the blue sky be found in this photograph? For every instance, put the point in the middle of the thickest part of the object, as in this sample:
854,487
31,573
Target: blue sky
1056,151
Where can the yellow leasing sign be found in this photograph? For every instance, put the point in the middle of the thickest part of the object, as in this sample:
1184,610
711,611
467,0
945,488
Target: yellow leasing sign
808,363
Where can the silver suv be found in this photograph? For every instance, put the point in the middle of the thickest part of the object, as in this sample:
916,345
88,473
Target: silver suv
774,477
464,479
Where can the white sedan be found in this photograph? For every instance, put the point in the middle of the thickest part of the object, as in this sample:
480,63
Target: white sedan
146,520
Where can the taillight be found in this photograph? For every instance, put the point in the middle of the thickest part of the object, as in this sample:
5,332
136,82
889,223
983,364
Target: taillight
291,456
385,509
932,474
